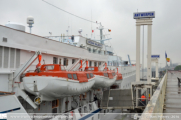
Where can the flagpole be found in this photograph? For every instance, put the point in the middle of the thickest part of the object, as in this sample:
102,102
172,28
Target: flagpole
166,59
166,63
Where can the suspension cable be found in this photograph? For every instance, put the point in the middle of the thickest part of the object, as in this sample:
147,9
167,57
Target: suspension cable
69,12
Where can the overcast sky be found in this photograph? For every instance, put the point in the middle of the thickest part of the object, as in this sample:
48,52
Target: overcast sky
116,15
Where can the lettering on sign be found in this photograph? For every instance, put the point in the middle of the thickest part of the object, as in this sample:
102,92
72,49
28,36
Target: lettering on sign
94,43
138,15
155,56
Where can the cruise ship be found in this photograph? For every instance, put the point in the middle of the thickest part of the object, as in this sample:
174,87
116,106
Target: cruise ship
58,75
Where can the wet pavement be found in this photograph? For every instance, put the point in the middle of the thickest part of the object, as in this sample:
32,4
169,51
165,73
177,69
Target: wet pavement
128,116
173,93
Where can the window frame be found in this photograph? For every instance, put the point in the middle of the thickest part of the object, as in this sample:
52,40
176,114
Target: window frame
91,75
88,76
75,75
46,67
68,75
55,60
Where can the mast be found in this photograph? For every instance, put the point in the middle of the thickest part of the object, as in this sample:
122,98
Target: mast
101,33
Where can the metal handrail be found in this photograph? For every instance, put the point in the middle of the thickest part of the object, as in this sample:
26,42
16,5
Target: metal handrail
155,105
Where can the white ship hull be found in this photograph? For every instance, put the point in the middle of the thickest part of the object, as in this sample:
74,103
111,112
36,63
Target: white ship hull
54,87
18,47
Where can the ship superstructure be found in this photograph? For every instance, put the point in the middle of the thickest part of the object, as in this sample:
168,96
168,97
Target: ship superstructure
74,53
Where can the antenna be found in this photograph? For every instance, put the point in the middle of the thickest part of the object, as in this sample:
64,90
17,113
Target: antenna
91,24
30,21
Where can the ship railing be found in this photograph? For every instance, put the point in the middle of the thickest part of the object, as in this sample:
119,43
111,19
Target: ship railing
154,109
102,65
82,69
74,65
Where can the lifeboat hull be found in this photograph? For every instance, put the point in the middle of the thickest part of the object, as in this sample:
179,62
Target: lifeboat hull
55,87
118,82
102,82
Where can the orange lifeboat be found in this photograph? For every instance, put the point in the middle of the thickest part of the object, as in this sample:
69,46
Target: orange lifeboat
53,81
119,78
104,78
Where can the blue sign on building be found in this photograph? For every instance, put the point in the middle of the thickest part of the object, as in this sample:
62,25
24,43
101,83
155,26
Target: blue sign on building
139,15
155,56
94,43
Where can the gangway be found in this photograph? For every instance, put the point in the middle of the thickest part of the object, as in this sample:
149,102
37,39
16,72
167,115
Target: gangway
128,98
117,99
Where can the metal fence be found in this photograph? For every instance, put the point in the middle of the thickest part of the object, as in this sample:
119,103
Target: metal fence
154,109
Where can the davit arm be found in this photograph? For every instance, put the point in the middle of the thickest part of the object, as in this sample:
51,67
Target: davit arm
19,72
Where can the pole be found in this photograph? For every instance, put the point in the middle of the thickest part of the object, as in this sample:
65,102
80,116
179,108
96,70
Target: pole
137,53
157,68
30,29
149,53
143,55
30,26
91,24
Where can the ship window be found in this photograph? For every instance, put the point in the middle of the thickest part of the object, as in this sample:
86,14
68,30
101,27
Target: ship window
91,75
73,61
60,61
90,68
62,67
55,60
90,63
6,57
12,57
75,76
99,63
95,64
5,39
99,51
88,76
17,58
55,103
65,62
49,67
69,76
94,50
89,49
